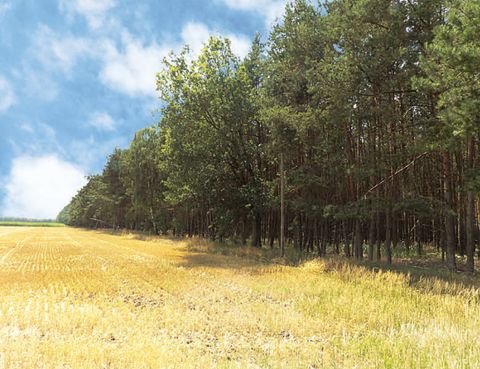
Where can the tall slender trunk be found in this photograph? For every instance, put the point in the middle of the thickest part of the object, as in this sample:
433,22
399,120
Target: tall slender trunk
449,217
346,243
371,238
152,219
358,240
470,228
379,238
470,213
388,235
257,230
271,228
282,206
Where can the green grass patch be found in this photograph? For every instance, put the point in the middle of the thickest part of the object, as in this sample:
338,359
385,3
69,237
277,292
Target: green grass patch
30,224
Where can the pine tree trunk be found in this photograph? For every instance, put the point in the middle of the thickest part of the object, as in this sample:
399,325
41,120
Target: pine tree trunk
282,206
449,217
470,214
371,238
346,242
388,235
379,238
358,241
257,230
470,229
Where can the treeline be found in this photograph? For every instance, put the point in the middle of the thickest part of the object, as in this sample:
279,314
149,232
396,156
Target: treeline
26,220
371,107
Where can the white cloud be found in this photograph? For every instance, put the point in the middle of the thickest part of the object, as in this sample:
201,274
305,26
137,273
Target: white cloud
132,70
94,11
39,187
128,65
195,34
271,10
58,51
129,68
102,121
240,44
7,96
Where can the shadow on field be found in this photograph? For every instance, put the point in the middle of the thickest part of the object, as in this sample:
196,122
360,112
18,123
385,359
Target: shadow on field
427,274
424,275
211,260
430,275
204,253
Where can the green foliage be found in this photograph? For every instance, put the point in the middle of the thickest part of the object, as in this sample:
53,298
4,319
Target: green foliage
451,68
214,135
64,215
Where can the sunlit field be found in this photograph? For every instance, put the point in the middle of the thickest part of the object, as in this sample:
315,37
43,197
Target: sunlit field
82,299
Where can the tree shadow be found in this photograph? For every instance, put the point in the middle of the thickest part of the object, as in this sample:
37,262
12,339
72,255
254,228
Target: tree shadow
428,274
219,256
431,275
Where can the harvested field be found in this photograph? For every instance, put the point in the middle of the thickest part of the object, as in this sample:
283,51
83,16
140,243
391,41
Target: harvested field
83,299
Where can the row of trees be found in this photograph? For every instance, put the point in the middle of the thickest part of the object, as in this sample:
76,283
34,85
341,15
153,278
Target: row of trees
370,107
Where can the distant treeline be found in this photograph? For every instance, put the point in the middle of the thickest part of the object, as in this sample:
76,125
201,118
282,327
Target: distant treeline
371,107
28,220
30,224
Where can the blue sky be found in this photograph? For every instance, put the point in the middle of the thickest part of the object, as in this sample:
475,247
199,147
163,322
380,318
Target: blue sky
77,79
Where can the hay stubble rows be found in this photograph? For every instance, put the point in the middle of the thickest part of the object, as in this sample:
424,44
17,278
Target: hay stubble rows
82,299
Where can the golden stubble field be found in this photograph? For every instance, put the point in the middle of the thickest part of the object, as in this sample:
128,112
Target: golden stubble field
72,298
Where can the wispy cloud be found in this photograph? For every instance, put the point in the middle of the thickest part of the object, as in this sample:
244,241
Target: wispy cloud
86,152
38,187
128,64
58,51
5,6
26,127
95,11
35,82
37,138
102,121
7,95
90,152
271,10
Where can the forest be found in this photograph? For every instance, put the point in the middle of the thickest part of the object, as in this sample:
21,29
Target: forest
352,128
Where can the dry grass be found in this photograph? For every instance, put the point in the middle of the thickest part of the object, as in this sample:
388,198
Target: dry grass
80,299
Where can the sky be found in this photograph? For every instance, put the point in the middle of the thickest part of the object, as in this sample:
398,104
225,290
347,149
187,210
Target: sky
77,79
